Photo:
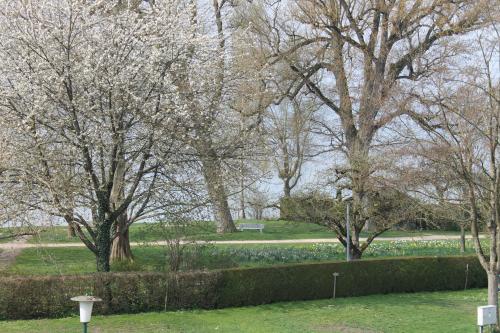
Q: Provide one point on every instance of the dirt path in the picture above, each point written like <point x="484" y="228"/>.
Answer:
<point x="8" y="254"/>
<point x="15" y="246"/>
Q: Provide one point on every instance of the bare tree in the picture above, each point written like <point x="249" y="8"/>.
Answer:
<point x="258" y="201"/>
<point x="440" y="189"/>
<point x="288" y="128"/>
<point x="357" y="57"/>
<point x="463" y="126"/>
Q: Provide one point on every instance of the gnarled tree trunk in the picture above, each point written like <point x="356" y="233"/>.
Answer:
<point x="120" y="250"/>
<point x="287" y="191"/>
<point x="71" y="231"/>
<point x="103" y="247"/>
<point x="359" y="170"/>
<point x="212" y="172"/>
<point x="121" y="244"/>
<point x="462" y="239"/>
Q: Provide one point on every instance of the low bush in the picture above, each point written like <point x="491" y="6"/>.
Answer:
<point x="49" y="296"/>
<point x="386" y="208"/>
<point x="311" y="208"/>
<point x="40" y="297"/>
<point x="365" y="277"/>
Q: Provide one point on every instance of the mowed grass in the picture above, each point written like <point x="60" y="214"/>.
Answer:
<point x="273" y="230"/>
<point x="72" y="260"/>
<point x="395" y="313"/>
<point x="50" y="261"/>
<point x="144" y="232"/>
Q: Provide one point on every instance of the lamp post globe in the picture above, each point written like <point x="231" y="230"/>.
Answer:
<point x="86" y="305"/>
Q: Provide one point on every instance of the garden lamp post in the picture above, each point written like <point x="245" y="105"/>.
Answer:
<point x="86" y="304"/>
<point x="335" y="284"/>
<point x="348" y="227"/>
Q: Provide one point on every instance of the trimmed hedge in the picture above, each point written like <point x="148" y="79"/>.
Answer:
<point x="49" y="296"/>
<point x="357" y="278"/>
<point x="43" y="297"/>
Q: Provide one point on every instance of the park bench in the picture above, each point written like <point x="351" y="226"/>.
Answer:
<point x="250" y="226"/>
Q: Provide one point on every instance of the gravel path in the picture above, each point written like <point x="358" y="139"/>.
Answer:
<point x="13" y="246"/>
<point x="9" y="252"/>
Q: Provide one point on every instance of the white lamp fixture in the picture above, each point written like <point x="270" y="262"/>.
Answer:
<point x="86" y="304"/>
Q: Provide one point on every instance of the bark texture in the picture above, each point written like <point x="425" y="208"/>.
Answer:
<point x="462" y="239"/>
<point x="493" y="290"/>
<point x="71" y="231"/>
<point x="103" y="247"/>
<point x="120" y="250"/>
<point x="212" y="171"/>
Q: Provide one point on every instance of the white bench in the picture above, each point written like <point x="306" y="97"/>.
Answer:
<point x="250" y="226"/>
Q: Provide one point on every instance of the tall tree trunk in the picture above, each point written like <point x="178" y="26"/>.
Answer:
<point x="355" y="250"/>
<point x="359" y="164"/>
<point x="242" y="201"/>
<point x="355" y="253"/>
<point x="71" y="231"/>
<point x="242" y="193"/>
<point x="243" y="215"/>
<point x="493" y="290"/>
<point x="71" y="227"/>
<point x="103" y="245"/>
<point x="212" y="172"/>
<point x="287" y="191"/>
<point x="120" y="250"/>
<point x="462" y="239"/>
<point x="121" y="244"/>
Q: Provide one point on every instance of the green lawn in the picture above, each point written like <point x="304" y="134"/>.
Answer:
<point x="43" y="261"/>
<point x="396" y="313"/>
<point x="274" y="230"/>
<point x="152" y="258"/>
<point x="58" y="234"/>
<point x="206" y="231"/>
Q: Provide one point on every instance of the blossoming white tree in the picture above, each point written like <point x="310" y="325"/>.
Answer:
<point x="86" y="90"/>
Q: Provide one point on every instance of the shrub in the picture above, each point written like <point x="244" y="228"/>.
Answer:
<point x="315" y="281"/>
<point x="42" y="297"/>
<point x="311" y="208"/>
<point x="126" y="266"/>
<point x="49" y="296"/>
<point x="386" y="208"/>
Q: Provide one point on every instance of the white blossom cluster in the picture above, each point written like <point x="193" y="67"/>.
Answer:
<point x="87" y="85"/>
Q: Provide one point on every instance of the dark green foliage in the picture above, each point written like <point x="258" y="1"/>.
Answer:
<point x="312" y="208"/>
<point x="357" y="278"/>
<point x="386" y="208"/>
<point x="38" y="297"/>
<point x="389" y="207"/>
<point x="45" y="297"/>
